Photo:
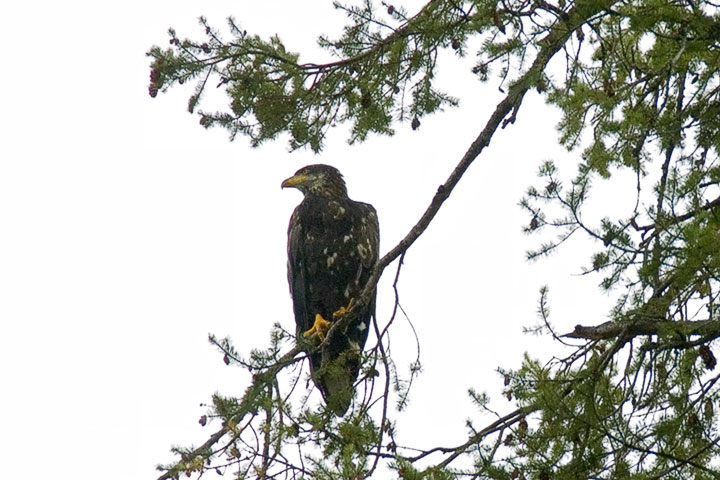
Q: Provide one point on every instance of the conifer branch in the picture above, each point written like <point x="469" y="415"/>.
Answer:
<point x="708" y="328"/>
<point x="404" y="30"/>
<point x="681" y="218"/>
<point x="247" y="405"/>
<point x="497" y="425"/>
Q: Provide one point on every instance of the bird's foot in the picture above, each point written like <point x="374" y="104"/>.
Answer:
<point x="321" y="326"/>
<point x="342" y="311"/>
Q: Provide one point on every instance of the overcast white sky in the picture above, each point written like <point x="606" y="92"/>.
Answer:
<point x="128" y="233"/>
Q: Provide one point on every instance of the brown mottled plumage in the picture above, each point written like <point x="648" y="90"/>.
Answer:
<point x="332" y="246"/>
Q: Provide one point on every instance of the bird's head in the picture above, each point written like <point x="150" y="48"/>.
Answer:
<point x="318" y="180"/>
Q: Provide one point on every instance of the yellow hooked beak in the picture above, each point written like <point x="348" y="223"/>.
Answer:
<point x="294" y="181"/>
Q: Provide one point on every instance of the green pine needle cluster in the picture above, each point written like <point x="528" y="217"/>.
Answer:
<point x="631" y="393"/>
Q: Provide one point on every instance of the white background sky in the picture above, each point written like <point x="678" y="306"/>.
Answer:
<point x="128" y="233"/>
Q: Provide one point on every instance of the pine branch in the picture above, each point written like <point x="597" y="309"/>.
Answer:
<point x="668" y="221"/>
<point x="260" y="381"/>
<point x="609" y="330"/>
<point x="499" y="424"/>
<point x="405" y="30"/>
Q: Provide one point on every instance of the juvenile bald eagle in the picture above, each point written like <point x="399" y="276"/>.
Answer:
<point x="332" y="247"/>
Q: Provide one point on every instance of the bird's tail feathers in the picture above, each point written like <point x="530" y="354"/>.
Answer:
<point x="336" y="381"/>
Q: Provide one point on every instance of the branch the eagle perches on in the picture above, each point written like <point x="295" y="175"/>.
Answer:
<point x="505" y="113"/>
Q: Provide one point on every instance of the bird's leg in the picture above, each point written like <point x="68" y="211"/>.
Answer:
<point x="344" y="310"/>
<point x="321" y="326"/>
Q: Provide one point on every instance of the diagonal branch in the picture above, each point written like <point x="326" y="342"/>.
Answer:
<point x="551" y="44"/>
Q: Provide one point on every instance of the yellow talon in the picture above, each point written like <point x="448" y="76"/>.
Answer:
<point x="344" y="310"/>
<point x="320" y="327"/>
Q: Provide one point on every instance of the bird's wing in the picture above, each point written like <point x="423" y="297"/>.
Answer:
<point x="369" y="240"/>
<point x="370" y="236"/>
<point x="297" y="271"/>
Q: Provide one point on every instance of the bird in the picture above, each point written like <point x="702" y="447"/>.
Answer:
<point x="332" y="248"/>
